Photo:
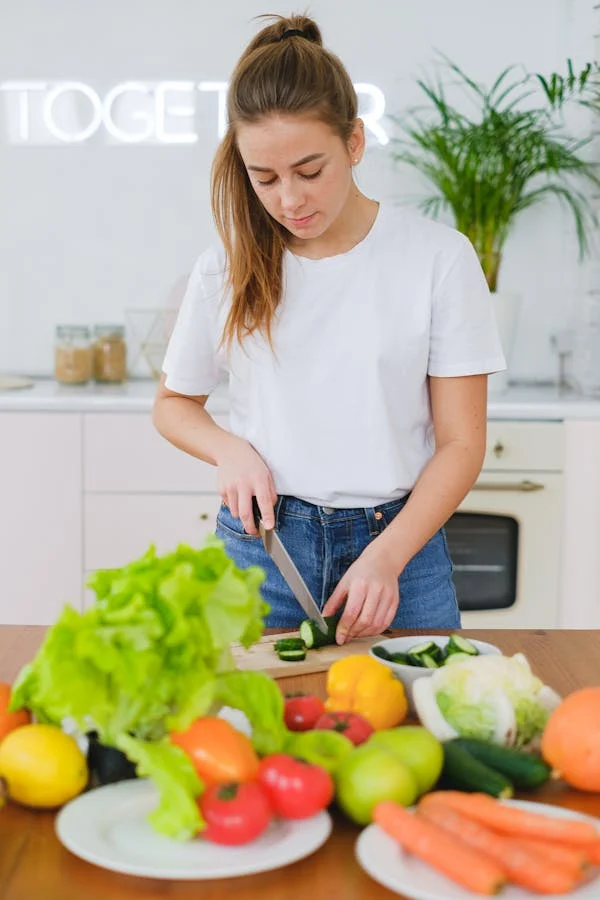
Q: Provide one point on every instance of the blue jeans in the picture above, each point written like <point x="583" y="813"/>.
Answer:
<point x="324" y="542"/>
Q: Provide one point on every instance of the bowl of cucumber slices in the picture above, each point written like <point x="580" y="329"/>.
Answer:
<point x="416" y="656"/>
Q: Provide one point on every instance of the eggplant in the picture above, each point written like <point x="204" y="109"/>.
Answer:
<point x="107" y="765"/>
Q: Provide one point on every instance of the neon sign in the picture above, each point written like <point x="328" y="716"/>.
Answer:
<point x="42" y="113"/>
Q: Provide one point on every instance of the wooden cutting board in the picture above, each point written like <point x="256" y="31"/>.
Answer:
<point x="262" y="657"/>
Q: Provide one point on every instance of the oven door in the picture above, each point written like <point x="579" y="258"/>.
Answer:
<point x="505" y="543"/>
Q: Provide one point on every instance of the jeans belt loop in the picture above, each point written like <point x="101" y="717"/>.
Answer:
<point x="373" y="519"/>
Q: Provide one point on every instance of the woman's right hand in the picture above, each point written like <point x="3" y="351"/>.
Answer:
<point x="243" y="475"/>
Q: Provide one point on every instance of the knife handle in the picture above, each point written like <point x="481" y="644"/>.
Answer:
<point x="256" y="511"/>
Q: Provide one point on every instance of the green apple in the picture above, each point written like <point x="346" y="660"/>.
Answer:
<point x="369" y="774"/>
<point x="326" y="748"/>
<point x="417" y="748"/>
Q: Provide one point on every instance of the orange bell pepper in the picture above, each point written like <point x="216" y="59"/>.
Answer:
<point x="219" y="752"/>
<point x="363" y="685"/>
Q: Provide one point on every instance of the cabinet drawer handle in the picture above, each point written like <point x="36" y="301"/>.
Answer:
<point x="525" y="486"/>
<point x="203" y="516"/>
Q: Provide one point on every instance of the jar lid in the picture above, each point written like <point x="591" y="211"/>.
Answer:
<point x="109" y="331"/>
<point x="73" y="331"/>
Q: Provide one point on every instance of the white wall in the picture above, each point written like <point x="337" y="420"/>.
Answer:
<point x="89" y="230"/>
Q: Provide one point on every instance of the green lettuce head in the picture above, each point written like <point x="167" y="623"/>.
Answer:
<point x="152" y="654"/>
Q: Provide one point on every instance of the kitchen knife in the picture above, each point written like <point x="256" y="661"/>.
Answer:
<point x="284" y="562"/>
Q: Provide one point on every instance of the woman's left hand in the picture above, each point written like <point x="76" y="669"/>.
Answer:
<point x="370" y="589"/>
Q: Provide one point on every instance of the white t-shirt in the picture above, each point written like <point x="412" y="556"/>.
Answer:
<point x="340" y="410"/>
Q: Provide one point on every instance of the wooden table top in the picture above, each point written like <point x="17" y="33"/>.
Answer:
<point x="34" y="864"/>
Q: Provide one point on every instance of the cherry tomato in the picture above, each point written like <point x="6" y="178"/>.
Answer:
<point x="351" y="725"/>
<point x="296" y="789"/>
<point x="234" y="813"/>
<point x="220" y="753"/>
<point x="301" y="711"/>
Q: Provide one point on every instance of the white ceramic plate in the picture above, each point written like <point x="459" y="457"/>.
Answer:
<point x="383" y="859"/>
<point x="107" y="826"/>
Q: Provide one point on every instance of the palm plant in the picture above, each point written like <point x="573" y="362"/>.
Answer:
<point x="489" y="168"/>
<point x="582" y="87"/>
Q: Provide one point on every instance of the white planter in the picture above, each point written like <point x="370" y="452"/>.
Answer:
<point x="506" y="310"/>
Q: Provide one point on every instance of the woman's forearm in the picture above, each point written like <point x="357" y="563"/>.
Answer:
<point x="442" y="485"/>
<point x="186" y="424"/>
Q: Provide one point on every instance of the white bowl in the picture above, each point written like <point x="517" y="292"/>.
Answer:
<point x="407" y="674"/>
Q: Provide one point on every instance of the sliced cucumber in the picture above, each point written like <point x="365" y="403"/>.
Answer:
<point x="428" y="661"/>
<point x="458" y="644"/>
<point x="455" y="658"/>
<point x="429" y="647"/>
<point x="525" y="769"/>
<point x="312" y="635"/>
<point x="464" y="772"/>
<point x="424" y="654"/>
<point x="400" y="658"/>
<point x="382" y="653"/>
<point x="289" y="644"/>
<point x="292" y="655"/>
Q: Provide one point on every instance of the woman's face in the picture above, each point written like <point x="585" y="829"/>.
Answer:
<point x="300" y="169"/>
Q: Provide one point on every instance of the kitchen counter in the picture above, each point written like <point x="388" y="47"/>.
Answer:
<point x="137" y="395"/>
<point x="519" y="402"/>
<point x="34" y="864"/>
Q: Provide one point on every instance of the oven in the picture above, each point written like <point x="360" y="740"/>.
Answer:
<point x="505" y="538"/>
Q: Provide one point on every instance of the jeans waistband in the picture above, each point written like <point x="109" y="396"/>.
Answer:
<point x="293" y="506"/>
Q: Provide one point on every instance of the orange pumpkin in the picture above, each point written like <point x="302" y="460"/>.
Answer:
<point x="571" y="739"/>
<point x="10" y="720"/>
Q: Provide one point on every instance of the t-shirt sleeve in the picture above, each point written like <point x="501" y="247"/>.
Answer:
<point x="194" y="363"/>
<point x="464" y="336"/>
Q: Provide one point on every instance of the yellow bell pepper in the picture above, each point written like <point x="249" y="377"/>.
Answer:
<point x="363" y="685"/>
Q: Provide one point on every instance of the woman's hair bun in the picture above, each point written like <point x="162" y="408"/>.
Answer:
<point x="279" y="29"/>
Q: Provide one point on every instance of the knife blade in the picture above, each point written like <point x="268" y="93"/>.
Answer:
<point x="284" y="562"/>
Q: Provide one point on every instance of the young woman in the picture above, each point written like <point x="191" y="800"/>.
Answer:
<point x="356" y="339"/>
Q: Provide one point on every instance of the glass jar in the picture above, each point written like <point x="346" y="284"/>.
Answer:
<point x="72" y="354"/>
<point x="110" y="353"/>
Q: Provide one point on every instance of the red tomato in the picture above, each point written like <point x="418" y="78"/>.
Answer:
<point x="234" y="813"/>
<point x="296" y="789"/>
<point x="301" y="711"/>
<point x="351" y="725"/>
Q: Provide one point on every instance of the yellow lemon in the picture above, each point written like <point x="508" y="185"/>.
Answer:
<point x="42" y="766"/>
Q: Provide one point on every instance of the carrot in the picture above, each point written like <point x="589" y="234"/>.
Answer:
<point x="593" y="852"/>
<point x="524" y="866"/>
<point x="439" y="849"/>
<point x="518" y="822"/>
<point x="571" y="856"/>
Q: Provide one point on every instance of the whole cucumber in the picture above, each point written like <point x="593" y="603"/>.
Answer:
<point x="525" y="769"/>
<point x="464" y="772"/>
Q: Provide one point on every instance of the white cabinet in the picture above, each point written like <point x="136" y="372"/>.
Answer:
<point x="124" y="453"/>
<point x="140" y="490"/>
<point x="120" y="527"/>
<point x="40" y="516"/>
<point x="85" y="491"/>
<point x="580" y="585"/>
